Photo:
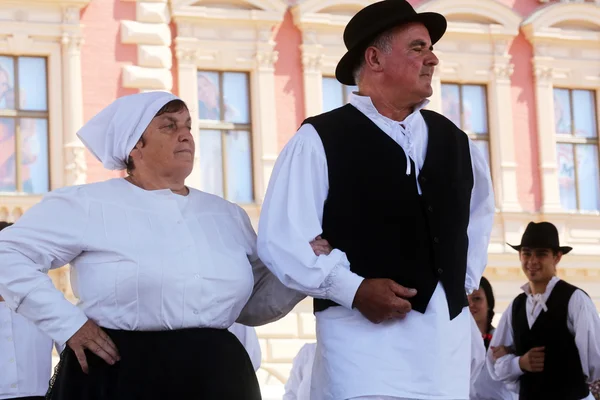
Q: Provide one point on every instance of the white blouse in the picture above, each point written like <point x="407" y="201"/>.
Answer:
<point x="297" y="386"/>
<point x="25" y="356"/>
<point x="140" y="260"/>
<point x="582" y="321"/>
<point x="398" y="365"/>
<point x="483" y="387"/>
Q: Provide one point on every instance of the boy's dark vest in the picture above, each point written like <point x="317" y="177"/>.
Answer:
<point x="375" y="214"/>
<point x="562" y="378"/>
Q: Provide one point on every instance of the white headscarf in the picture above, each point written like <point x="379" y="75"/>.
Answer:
<point x="114" y="131"/>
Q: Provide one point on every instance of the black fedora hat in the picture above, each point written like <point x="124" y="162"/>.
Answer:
<point x="541" y="235"/>
<point x="375" y="19"/>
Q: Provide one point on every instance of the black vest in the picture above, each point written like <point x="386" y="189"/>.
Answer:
<point x="562" y="378"/>
<point x="375" y="215"/>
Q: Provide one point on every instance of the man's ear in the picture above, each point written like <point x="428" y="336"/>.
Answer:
<point x="373" y="59"/>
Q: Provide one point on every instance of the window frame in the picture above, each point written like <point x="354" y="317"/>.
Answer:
<point x="16" y="114"/>
<point x="224" y="127"/>
<point x="575" y="141"/>
<point x="246" y="45"/>
<point x="344" y="88"/>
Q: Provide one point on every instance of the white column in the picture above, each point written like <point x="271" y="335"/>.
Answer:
<point x="502" y="145"/>
<point x="313" y="82"/>
<point x="74" y="150"/>
<point x="547" y="143"/>
<point x="266" y="147"/>
<point x="187" y="79"/>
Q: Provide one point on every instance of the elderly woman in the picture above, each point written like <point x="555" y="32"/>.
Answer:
<point x="160" y="270"/>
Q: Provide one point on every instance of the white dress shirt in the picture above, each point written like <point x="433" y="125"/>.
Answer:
<point x="424" y="356"/>
<point x="583" y="322"/>
<point x="483" y="387"/>
<point x="248" y="338"/>
<point x="140" y="260"/>
<point x="297" y="386"/>
<point x="25" y="356"/>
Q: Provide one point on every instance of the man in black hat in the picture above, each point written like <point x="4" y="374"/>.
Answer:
<point x="552" y="329"/>
<point x="406" y="202"/>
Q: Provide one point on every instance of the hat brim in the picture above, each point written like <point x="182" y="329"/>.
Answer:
<point x="562" y="249"/>
<point x="435" y="23"/>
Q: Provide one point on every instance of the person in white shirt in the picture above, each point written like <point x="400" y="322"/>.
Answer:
<point x="248" y="338"/>
<point x="551" y="331"/>
<point x="25" y="355"/>
<point x="160" y="270"/>
<point x="405" y="199"/>
<point x="297" y="386"/>
<point x="481" y="305"/>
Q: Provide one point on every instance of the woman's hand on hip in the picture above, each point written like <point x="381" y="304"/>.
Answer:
<point x="91" y="337"/>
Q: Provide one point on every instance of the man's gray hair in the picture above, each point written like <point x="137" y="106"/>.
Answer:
<point x="383" y="42"/>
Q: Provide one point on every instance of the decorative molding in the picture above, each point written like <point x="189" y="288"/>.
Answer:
<point x="155" y="56"/>
<point x="503" y="71"/>
<point x="12" y="207"/>
<point x="233" y="39"/>
<point x="565" y="39"/>
<point x="543" y="73"/>
<point x="71" y="42"/>
<point x="187" y="56"/>
<point x="157" y="13"/>
<point x="477" y="53"/>
<point x="312" y="62"/>
<point x="134" y="32"/>
<point x="18" y="43"/>
<point x="52" y="29"/>
<point x="152" y="35"/>
<point x="147" y="78"/>
<point x="70" y="15"/>
<point x="75" y="164"/>
<point x="266" y="59"/>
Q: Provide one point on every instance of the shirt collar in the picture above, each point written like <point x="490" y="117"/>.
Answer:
<point x="549" y="287"/>
<point x="365" y="105"/>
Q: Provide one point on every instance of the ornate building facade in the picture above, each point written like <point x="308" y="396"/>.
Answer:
<point x="521" y="77"/>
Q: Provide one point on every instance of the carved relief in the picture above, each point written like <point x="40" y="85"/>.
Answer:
<point x="70" y="15"/>
<point x="75" y="164"/>
<point x="312" y="62"/>
<point x="503" y="71"/>
<point x="267" y="58"/>
<point x="187" y="56"/>
<point x="71" y="41"/>
<point x="543" y="73"/>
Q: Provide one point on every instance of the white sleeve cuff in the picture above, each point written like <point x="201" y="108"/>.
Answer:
<point x="515" y="369"/>
<point x="343" y="283"/>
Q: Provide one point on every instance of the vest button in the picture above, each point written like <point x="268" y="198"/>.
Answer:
<point x="436" y="239"/>
<point x="430" y="209"/>
<point x="422" y="178"/>
<point x="440" y="271"/>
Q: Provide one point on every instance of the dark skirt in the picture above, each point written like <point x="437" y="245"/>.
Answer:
<point x="182" y="364"/>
